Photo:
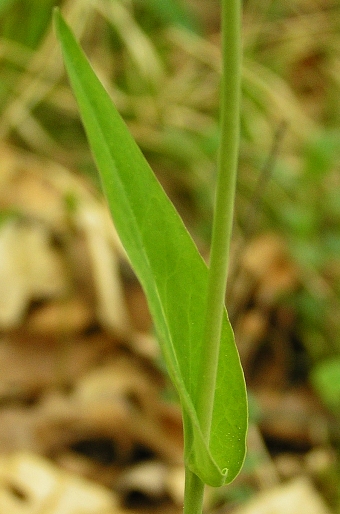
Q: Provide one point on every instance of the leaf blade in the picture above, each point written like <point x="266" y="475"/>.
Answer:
<point x="169" y="268"/>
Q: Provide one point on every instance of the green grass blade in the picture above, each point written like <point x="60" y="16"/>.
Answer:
<point x="174" y="12"/>
<point x="25" y="21"/>
<point x="170" y="269"/>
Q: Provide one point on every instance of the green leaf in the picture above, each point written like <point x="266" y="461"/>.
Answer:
<point x="175" y="12"/>
<point x="25" y="21"/>
<point x="170" y="269"/>
<point x="325" y="378"/>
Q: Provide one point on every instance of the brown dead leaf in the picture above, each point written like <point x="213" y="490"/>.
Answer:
<point x="31" y="364"/>
<point x="293" y="416"/>
<point x="268" y="266"/>
<point x="296" y="497"/>
<point x="60" y="317"/>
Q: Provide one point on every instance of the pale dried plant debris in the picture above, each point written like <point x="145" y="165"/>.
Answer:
<point x="30" y="484"/>
<point x="296" y="497"/>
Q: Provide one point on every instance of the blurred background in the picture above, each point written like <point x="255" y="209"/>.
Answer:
<point x="88" y="419"/>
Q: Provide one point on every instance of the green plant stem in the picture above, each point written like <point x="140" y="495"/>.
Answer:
<point x="221" y="236"/>
<point x="224" y="207"/>
<point x="193" y="493"/>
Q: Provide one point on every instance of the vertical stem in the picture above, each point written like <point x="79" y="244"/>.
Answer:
<point x="221" y="236"/>
<point x="193" y="493"/>
<point x="224" y="206"/>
